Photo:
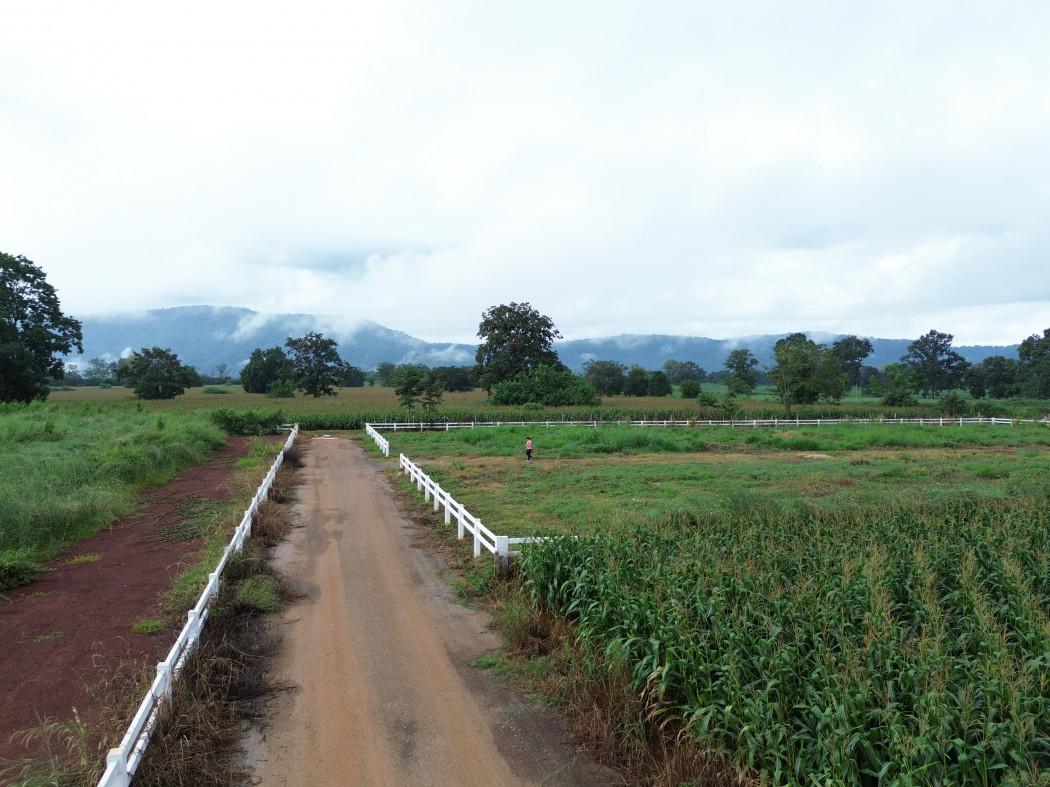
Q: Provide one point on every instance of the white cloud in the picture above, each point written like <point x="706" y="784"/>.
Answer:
<point x="704" y="168"/>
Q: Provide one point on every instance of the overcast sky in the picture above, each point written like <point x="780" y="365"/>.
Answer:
<point x="711" y="169"/>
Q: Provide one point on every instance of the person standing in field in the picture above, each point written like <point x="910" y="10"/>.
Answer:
<point x="528" y="448"/>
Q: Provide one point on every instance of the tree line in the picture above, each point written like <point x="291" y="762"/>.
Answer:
<point x="515" y="364"/>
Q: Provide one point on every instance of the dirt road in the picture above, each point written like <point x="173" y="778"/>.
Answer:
<point x="379" y="654"/>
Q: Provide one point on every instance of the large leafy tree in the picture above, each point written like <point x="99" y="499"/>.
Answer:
<point x="742" y="377"/>
<point x="316" y="366"/>
<point x="263" y="368"/>
<point x="1034" y="362"/>
<point x="934" y="359"/>
<point x="607" y="377"/>
<point x="156" y="373"/>
<point x="515" y="338"/>
<point x="851" y="352"/>
<point x="806" y="371"/>
<point x="34" y="333"/>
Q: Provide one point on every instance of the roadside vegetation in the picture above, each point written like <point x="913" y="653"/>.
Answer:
<point x="196" y="737"/>
<point x="65" y="474"/>
<point x="841" y="604"/>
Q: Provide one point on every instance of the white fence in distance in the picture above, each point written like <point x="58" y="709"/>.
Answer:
<point x="371" y="429"/>
<point x="123" y="761"/>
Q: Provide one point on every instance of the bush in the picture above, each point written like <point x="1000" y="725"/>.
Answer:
<point x="281" y="389"/>
<point x="247" y="422"/>
<point x="17" y="568"/>
<point x="690" y="389"/>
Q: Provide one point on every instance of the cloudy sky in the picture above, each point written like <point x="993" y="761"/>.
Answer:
<point x="713" y="169"/>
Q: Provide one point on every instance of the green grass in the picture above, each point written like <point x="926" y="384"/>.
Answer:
<point x="65" y="474"/>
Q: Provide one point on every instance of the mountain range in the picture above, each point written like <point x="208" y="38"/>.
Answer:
<point x="205" y="336"/>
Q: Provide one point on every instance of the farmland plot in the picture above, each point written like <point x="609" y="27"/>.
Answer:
<point x="852" y="612"/>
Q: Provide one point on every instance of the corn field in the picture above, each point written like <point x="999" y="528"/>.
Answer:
<point x="904" y="646"/>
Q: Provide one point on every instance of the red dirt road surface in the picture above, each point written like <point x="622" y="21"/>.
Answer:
<point x="379" y="654"/>
<point x="55" y="632"/>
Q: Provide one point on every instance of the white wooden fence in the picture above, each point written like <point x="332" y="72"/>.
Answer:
<point x="753" y="422"/>
<point x="123" y="761"/>
<point x="500" y="546"/>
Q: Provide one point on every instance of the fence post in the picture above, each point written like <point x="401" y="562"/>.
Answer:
<point x="116" y="769"/>
<point x="502" y="556"/>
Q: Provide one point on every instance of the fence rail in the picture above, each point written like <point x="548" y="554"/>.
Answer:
<point x="123" y="761"/>
<point x="465" y="521"/>
<point x="439" y="426"/>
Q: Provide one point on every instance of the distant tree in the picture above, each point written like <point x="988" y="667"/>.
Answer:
<point x="805" y="372"/>
<point x="897" y="384"/>
<point x="939" y="365"/>
<point x="156" y="373"/>
<point x="352" y="377"/>
<point x="263" y="368"/>
<point x="457" y="378"/>
<point x="637" y="382"/>
<point x="100" y="371"/>
<point x="607" y="377"/>
<point x="316" y="365"/>
<point x="689" y="389"/>
<point x="408" y="385"/>
<point x="515" y="338"/>
<point x="385" y="374"/>
<point x="551" y="386"/>
<point x="677" y="371"/>
<point x="851" y="352"/>
<point x="658" y="384"/>
<point x="742" y="378"/>
<point x="34" y="333"/>
<point x="1033" y="373"/>
<point x="221" y="368"/>
<point x="432" y="387"/>
<point x="998" y="375"/>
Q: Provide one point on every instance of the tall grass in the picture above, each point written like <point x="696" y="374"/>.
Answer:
<point x="65" y="474"/>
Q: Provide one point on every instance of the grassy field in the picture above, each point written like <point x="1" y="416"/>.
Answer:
<point x="64" y="475"/>
<point x="857" y="604"/>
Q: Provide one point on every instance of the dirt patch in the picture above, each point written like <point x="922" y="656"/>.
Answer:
<point x="74" y="623"/>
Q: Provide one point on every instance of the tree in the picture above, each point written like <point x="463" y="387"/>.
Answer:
<point x="741" y="367"/>
<point x="316" y="365"/>
<point x="678" y="371"/>
<point x="851" y="352"/>
<point x="408" y="385"/>
<point x="1034" y="362"/>
<point x="805" y="371"/>
<point x="551" y="386"/>
<point x="385" y="374"/>
<point x="352" y="377"/>
<point x="515" y="339"/>
<point x="34" y="333"/>
<point x="100" y="371"/>
<point x="897" y="384"/>
<point x="156" y="373"/>
<point x="637" y="382"/>
<point x="607" y="377"/>
<point x="998" y="376"/>
<point x="690" y="389"/>
<point x="939" y="365"/>
<point x="659" y="385"/>
<point x="221" y="368"/>
<point x="457" y="378"/>
<point x="263" y="368"/>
